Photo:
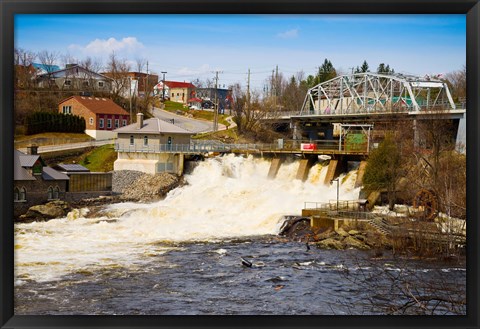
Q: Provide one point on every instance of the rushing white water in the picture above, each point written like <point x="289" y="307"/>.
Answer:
<point x="225" y="198"/>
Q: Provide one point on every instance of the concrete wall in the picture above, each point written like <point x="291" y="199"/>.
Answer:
<point x="150" y="163"/>
<point x="101" y="134"/>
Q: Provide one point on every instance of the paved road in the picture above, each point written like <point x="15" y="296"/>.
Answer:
<point x="193" y="125"/>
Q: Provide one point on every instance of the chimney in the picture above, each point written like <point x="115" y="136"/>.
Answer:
<point x="32" y="149"/>
<point x="139" y="120"/>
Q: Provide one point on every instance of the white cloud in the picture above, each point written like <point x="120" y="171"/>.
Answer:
<point x="205" y="68"/>
<point x="288" y="34"/>
<point x="125" y="46"/>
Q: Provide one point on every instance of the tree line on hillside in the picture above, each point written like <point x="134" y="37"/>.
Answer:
<point x="40" y="122"/>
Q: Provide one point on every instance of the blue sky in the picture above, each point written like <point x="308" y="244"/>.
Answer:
<point x="193" y="46"/>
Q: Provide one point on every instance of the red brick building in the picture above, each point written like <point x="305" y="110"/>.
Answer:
<point x="101" y="115"/>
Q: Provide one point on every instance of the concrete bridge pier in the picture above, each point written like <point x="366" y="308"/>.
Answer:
<point x="360" y="173"/>
<point x="335" y="168"/>
<point x="304" y="168"/>
<point x="274" y="167"/>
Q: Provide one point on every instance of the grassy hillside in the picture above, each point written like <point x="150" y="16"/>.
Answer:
<point x="179" y="108"/>
<point x="23" y="141"/>
<point x="99" y="159"/>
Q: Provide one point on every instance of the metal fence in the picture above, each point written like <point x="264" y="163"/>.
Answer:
<point x="71" y="146"/>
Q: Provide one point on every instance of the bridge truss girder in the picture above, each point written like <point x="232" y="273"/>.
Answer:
<point x="376" y="93"/>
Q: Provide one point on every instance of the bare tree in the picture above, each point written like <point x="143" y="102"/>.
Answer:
<point x="140" y="64"/>
<point x="92" y="64"/>
<point x="457" y="82"/>
<point x="48" y="60"/>
<point x="68" y="59"/>
<point x="118" y="69"/>
<point x="24" y="74"/>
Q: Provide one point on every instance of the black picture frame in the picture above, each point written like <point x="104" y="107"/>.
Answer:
<point x="471" y="8"/>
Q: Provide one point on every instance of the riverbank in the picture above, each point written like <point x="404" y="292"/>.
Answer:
<point x="128" y="186"/>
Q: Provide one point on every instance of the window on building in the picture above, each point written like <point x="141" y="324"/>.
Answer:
<point x="124" y="123"/>
<point x="56" y="192"/>
<point x="90" y="120"/>
<point x="67" y="109"/>
<point x="67" y="82"/>
<point x="145" y="140"/>
<point x="50" y="193"/>
<point x="101" y="84"/>
<point x="132" y="141"/>
<point x="101" y="123"/>
<point x="109" y="123"/>
<point x="85" y="83"/>
<point x="19" y="194"/>
<point x="117" y="123"/>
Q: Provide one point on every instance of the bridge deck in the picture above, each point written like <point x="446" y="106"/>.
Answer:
<point x="330" y="148"/>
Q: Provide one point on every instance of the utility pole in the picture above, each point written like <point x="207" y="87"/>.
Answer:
<point x="130" y="96"/>
<point x="146" y="83"/>
<point x="276" y="88"/>
<point x="248" y="89"/>
<point x="163" y="88"/>
<point x="273" y="85"/>
<point x="215" y="114"/>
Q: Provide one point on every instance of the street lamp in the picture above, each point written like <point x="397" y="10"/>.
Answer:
<point x="163" y="89"/>
<point x="338" y="188"/>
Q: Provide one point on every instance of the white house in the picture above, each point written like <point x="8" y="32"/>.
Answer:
<point x="151" y="146"/>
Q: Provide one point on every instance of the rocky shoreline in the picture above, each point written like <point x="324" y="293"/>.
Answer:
<point x="298" y="229"/>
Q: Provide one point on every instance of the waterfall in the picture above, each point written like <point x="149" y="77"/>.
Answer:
<point x="225" y="197"/>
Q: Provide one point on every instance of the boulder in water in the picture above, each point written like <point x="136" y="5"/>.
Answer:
<point x="50" y="210"/>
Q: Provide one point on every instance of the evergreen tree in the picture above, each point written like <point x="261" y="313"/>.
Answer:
<point x="384" y="69"/>
<point x="326" y="72"/>
<point x="383" y="169"/>
<point x="364" y="68"/>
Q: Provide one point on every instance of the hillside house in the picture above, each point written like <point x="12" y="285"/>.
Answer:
<point x="102" y="115"/>
<point x="180" y="92"/>
<point x="34" y="182"/>
<point x="76" y="78"/>
<point x="151" y="146"/>
<point x="223" y="97"/>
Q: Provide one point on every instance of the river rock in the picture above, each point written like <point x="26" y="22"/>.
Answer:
<point x="330" y="243"/>
<point x="340" y="231"/>
<point x="50" y="210"/>
<point x="353" y="232"/>
<point x="351" y="242"/>
<point x="324" y="235"/>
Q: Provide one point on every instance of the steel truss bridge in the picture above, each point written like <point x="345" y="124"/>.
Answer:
<point x="376" y="93"/>
<point x="371" y="97"/>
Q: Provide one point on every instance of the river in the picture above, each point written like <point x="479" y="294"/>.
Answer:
<point x="182" y="255"/>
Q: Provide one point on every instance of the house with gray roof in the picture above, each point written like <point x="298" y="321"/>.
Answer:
<point x="34" y="182"/>
<point x="151" y="146"/>
<point x="75" y="78"/>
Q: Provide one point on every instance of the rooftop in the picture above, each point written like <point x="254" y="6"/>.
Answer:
<point x="98" y="105"/>
<point x="153" y="126"/>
